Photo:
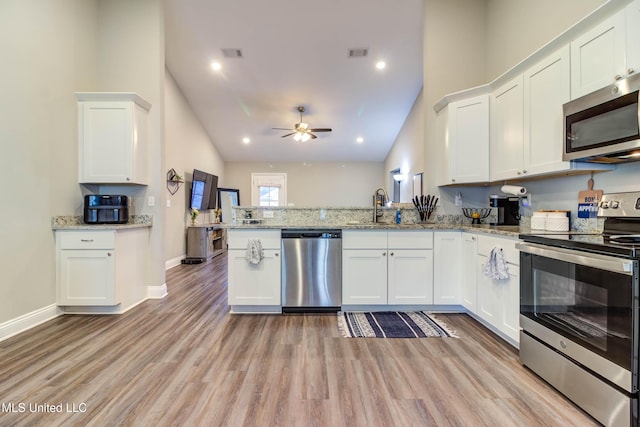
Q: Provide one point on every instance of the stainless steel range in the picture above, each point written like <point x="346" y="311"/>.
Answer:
<point x="579" y="311"/>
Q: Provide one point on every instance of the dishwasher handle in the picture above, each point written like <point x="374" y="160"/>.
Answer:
<point x="311" y="234"/>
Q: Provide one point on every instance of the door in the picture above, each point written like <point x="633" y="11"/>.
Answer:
<point x="254" y="284"/>
<point x="488" y="295"/>
<point x="469" y="140"/>
<point x="364" y="276"/>
<point x="510" y="298"/>
<point x="598" y="56"/>
<point x="469" y="251"/>
<point x="410" y="276"/>
<point x="86" y="277"/>
<point x="507" y="116"/>
<point x="546" y="88"/>
<point x="446" y="262"/>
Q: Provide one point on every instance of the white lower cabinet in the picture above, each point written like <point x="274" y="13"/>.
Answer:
<point x="364" y="276"/>
<point x="498" y="301"/>
<point x="254" y="284"/>
<point x="380" y="267"/>
<point x="446" y="261"/>
<point x="101" y="267"/>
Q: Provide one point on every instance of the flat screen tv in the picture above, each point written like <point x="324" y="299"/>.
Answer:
<point x="203" y="190"/>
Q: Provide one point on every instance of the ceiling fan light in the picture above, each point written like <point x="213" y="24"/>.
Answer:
<point x="297" y="136"/>
<point x="305" y="137"/>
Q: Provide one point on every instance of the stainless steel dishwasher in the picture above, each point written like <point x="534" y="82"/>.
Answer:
<point x="311" y="270"/>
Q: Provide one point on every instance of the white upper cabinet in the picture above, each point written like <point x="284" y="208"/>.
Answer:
<point x="113" y="133"/>
<point x="546" y="88"/>
<point x="468" y="129"/>
<point x="598" y="57"/>
<point x="633" y="37"/>
<point x="507" y="121"/>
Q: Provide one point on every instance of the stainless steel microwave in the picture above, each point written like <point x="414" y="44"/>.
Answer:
<point x="603" y="126"/>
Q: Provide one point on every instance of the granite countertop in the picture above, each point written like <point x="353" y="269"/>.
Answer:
<point x="504" y="230"/>
<point x="76" y="223"/>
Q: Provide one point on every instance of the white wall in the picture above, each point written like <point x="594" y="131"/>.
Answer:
<point x="188" y="147"/>
<point x="313" y="184"/>
<point x="48" y="52"/>
<point x="407" y="152"/>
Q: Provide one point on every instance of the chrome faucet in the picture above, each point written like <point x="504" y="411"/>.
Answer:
<point x="380" y="199"/>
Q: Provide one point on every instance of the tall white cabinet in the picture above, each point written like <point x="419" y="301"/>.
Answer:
<point x="507" y="123"/>
<point x="113" y="138"/>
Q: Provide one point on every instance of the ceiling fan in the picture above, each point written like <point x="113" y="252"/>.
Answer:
<point x="301" y="131"/>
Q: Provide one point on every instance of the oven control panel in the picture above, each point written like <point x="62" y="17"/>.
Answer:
<point x="620" y="205"/>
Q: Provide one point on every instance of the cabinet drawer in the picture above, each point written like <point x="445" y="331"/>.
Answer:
<point x="511" y="254"/>
<point x="357" y="239"/>
<point x="410" y="240"/>
<point x="86" y="239"/>
<point x="237" y="239"/>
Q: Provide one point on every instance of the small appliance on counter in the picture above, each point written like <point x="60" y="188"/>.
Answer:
<point x="507" y="209"/>
<point x="106" y="209"/>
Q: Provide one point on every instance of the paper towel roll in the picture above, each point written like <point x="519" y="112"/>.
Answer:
<point x="514" y="190"/>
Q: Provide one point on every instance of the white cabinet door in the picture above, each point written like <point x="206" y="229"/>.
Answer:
<point x="468" y="129"/>
<point x="598" y="56"/>
<point x="488" y="295"/>
<point x="446" y="266"/>
<point x="546" y="87"/>
<point x="468" y="253"/>
<point x="633" y="37"/>
<point x="364" y="276"/>
<point x="507" y="117"/>
<point x="86" y="277"/>
<point x="254" y="284"/>
<point x="510" y="297"/>
<point x="113" y="142"/>
<point x="410" y="276"/>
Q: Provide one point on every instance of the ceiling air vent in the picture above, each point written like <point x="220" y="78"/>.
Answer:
<point x="231" y="53"/>
<point x="359" y="52"/>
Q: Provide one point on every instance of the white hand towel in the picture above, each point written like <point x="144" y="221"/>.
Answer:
<point x="496" y="267"/>
<point x="254" y="253"/>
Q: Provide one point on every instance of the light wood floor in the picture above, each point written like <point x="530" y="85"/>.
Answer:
<point x="185" y="360"/>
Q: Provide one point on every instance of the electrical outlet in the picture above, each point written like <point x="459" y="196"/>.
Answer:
<point x="458" y="199"/>
<point x="168" y="203"/>
<point x="151" y="201"/>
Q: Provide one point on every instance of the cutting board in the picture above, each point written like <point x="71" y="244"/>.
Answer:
<point x="588" y="201"/>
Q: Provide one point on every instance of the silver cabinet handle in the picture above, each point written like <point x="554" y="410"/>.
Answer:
<point x="384" y="254"/>
<point x="631" y="71"/>
<point x="276" y="254"/>
<point x="108" y="253"/>
<point x="618" y="77"/>
<point x="453" y="180"/>
<point x="86" y="240"/>
<point x="524" y="171"/>
<point x="391" y="254"/>
<point x="473" y="238"/>
<point x="519" y="173"/>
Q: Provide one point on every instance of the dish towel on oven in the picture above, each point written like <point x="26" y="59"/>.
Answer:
<point x="496" y="267"/>
<point x="254" y="253"/>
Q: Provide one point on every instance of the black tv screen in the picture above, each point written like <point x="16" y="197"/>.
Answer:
<point x="204" y="190"/>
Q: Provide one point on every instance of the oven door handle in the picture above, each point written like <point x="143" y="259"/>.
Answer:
<point x="602" y="262"/>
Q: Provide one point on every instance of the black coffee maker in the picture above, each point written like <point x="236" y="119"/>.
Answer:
<point x="508" y="209"/>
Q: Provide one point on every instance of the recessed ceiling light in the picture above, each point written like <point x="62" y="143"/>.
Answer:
<point x="359" y="140"/>
<point x="246" y="140"/>
<point x="380" y="65"/>
<point x="216" y="66"/>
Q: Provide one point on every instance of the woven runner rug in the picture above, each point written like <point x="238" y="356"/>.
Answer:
<point x="391" y="324"/>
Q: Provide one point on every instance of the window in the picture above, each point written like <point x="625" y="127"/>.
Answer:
<point x="269" y="189"/>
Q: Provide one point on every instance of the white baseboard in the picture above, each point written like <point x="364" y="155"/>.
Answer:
<point x="157" y="292"/>
<point x="173" y="262"/>
<point x="28" y="321"/>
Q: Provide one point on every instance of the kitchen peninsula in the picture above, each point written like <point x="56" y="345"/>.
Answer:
<point x="435" y="265"/>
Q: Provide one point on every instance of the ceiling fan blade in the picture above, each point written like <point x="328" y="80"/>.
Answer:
<point x="320" y="130"/>
<point x="283" y="128"/>
<point x="312" y="135"/>
<point x="289" y="134"/>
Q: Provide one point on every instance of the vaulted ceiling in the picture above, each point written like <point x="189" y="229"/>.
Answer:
<point x="296" y="53"/>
